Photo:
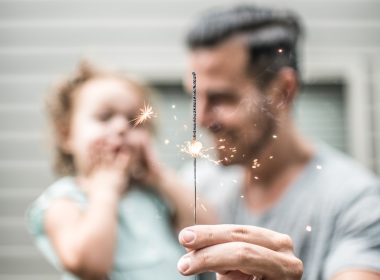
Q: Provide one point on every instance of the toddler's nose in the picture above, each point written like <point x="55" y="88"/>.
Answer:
<point x="120" y="125"/>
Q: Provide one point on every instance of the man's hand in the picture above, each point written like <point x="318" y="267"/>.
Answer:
<point x="357" y="275"/>
<point x="238" y="252"/>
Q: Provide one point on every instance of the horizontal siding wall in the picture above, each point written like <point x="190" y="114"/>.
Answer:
<point x="375" y="82"/>
<point x="41" y="40"/>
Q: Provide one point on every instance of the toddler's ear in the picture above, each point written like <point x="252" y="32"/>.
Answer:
<point x="64" y="140"/>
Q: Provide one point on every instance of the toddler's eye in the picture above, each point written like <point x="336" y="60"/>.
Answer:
<point x="104" y="116"/>
<point x="131" y="118"/>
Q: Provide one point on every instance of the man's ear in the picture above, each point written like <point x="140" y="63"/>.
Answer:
<point x="283" y="89"/>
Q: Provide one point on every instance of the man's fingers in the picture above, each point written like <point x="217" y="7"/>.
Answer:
<point x="237" y="275"/>
<point x="200" y="236"/>
<point x="246" y="258"/>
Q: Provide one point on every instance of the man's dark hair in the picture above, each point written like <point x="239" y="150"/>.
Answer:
<point x="271" y="37"/>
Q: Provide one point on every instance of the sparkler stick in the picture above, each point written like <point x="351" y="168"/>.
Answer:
<point x="194" y="144"/>
<point x="194" y="141"/>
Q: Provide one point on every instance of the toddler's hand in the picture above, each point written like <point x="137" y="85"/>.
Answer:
<point x="108" y="167"/>
<point x="145" y="167"/>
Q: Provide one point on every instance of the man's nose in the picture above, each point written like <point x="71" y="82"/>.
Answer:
<point x="204" y="115"/>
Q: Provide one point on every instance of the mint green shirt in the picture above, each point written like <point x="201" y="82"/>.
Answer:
<point x="146" y="245"/>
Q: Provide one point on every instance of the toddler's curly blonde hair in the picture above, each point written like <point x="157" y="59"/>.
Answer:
<point x="60" y="107"/>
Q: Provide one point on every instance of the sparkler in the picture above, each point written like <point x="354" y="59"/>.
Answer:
<point x="196" y="149"/>
<point x="196" y="146"/>
<point x="146" y="113"/>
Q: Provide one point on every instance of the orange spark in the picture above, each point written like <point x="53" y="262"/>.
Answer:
<point x="195" y="149"/>
<point x="146" y="113"/>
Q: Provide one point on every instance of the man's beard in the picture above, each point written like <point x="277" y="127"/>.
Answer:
<point x="248" y="150"/>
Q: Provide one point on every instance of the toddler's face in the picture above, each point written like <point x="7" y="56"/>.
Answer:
<point x="103" y="112"/>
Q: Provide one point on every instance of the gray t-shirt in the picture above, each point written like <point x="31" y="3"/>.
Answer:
<point x="331" y="211"/>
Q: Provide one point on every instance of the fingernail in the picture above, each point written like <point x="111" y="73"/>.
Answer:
<point x="183" y="264"/>
<point x="187" y="236"/>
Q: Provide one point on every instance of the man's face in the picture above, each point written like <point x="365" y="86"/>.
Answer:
<point x="229" y="105"/>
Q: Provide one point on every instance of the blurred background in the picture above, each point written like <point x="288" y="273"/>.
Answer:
<point x="41" y="40"/>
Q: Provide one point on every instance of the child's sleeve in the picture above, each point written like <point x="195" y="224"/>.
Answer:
<point x="64" y="188"/>
<point x="35" y="214"/>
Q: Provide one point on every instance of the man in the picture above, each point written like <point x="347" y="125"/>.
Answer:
<point x="247" y="80"/>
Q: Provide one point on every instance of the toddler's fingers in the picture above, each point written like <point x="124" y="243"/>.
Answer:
<point x="123" y="159"/>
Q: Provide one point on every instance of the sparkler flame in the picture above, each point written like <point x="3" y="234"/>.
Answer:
<point x="195" y="149"/>
<point x="146" y="113"/>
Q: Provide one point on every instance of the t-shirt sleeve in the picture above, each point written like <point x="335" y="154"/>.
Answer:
<point x="356" y="244"/>
<point x="34" y="216"/>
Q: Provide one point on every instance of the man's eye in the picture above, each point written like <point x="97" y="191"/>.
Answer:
<point x="221" y="99"/>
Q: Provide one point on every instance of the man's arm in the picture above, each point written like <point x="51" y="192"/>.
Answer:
<point x="181" y="198"/>
<point x="357" y="275"/>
